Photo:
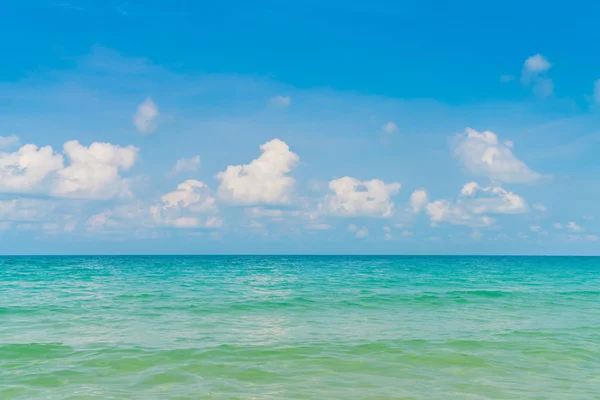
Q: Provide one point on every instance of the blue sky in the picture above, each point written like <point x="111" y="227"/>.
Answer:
<point x="307" y="127"/>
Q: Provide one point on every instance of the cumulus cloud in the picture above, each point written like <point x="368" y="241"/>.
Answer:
<point x="361" y="198"/>
<point x="185" y="206"/>
<point x="94" y="171"/>
<point x="264" y="180"/>
<point x="534" y="75"/>
<point x="390" y="127"/>
<point x="482" y="154"/>
<point x="280" y="101"/>
<point x="145" y="117"/>
<point x="418" y="200"/>
<point x="187" y="165"/>
<point x="474" y="205"/>
<point x="7" y="142"/>
<point x="27" y="168"/>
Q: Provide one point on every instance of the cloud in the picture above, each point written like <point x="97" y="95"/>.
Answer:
<point x="187" y="165"/>
<point x="26" y="169"/>
<point x="390" y="127"/>
<point x="280" y="101"/>
<point x="507" y="78"/>
<point x="540" y="207"/>
<point x="145" y="117"/>
<point x="262" y="181"/>
<point x="533" y="74"/>
<point x="535" y="228"/>
<point x="183" y="207"/>
<point x="94" y="171"/>
<point x="7" y="142"/>
<point x="418" y="200"/>
<point x="362" y="233"/>
<point x="474" y="204"/>
<point x="536" y="64"/>
<point x="573" y="227"/>
<point x="494" y="200"/>
<point x="482" y="154"/>
<point x="557" y="226"/>
<point x="361" y="198"/>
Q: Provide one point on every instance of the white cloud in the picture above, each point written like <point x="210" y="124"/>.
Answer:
<point x="7" y="142"/>
<point x="145" y="117"/>
<point x="473" y="205"/>
<point x="493" y="200"/>
<point x="187" y="165"/>
<point x="362" y="233"/>
<point x="361" y="198"/>
<point x="281" y="101"/>
<point x="262" y="181"/>
<point x="183" y="207"/>
<point x="535" y="228"/>
<point x="540" y="207"/>
<point x="537" y="64"/>
<point x="418" y="200"/>
<point x="352" y="228"/>
<point x="557" y="226"/>
<point x="444" y="211"/>
<point x="534" y="70"/>
<point x="94" y="171"/>
<point x="26" y="169"/>
<point x="506" y="78"/>
<point x="482" y="154"/>
<point x="390" y="127"/>
<point x="592" y="238"/>
<point x="573" y="227"/>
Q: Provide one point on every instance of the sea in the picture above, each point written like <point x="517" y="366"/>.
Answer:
<point x="299" y="327"/>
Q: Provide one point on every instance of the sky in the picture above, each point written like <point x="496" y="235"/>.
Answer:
<point x="329" y="127"/>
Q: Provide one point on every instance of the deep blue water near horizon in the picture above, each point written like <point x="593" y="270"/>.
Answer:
<point x="299" y="327"/>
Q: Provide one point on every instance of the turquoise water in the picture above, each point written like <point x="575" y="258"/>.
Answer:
<point x="299" y="328"/>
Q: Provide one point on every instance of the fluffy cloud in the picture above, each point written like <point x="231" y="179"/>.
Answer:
<point x="482" y="154"/>
<point x="187" y="165"/>
<point x="474" y="204"/>
<point x="145" y="117"/>
<point x="182" y="207"/>
<point x="281" y="101"/>
<point x="361" y="198"/>
<point x="390" y="127"/>
<point x="534" y="70"/>
<point x="25" y="169"/>
<point x="494" y="200"/>
<point x="262" y="181"/>
<point x="94" y="171"/>
<point x="418" y="200"/>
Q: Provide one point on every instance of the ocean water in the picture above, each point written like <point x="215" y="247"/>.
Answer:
<point x="299" y="327"/>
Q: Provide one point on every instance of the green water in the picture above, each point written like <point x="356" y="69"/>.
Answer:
<point x="299" y="328"/>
